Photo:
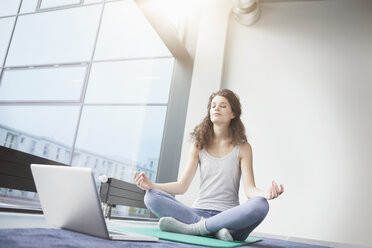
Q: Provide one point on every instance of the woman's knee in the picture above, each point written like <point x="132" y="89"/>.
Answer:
<point x="155" y="198"/>
<point x="151" y="198"/>
<point x="261" y="205"/>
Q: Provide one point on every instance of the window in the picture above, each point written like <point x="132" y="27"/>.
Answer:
<point x="128" y="135"/>
<point x="123" y="19"/>
<point x="43" y="84"/>
<point x="75" y="158"/>
<point x="53" y="125"/>
<point x="46" y="150"/>
<point x="11" y="140"/>
<point x="57" y="3"/>
<point x="6" y="27"/>
<point x="87" y="83"/>
<point x="87" y="160"/>
<point x="63" y="36"/>
<point x="138" y="81"/>
<point x="32" y="147"/>
<point x="28" y="6"/>
<point x="58" y="153"/>
<point x="9" y="7"/>
<point x="67" y="157"/>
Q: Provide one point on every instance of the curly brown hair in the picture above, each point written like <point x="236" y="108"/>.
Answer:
<point x="203" y="133"/>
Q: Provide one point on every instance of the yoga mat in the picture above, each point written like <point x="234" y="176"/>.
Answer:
<point x="184" y="238"/>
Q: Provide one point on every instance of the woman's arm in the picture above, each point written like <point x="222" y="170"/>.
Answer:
<point x="173" y="188"/>
<point x="250" y="189"/>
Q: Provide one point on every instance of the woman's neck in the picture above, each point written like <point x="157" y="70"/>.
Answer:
<point x="221" y="133"/>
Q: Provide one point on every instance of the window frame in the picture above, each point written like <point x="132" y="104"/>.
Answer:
<point x="173" y="132"/>
<point x="171" y="147"/>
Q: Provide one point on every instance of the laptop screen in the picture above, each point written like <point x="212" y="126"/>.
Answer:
<point x="69" y="198"/>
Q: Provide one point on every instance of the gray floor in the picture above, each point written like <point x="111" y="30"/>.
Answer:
<point x="15" y="227"/>
<point x="57" y="238"/>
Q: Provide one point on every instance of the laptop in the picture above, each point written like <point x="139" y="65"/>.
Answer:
<point x="69" y="200"/>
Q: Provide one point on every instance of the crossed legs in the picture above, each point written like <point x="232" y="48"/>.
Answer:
<point x="240" y="220"/>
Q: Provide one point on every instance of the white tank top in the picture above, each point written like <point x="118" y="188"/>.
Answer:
<point x="219" y="181"/>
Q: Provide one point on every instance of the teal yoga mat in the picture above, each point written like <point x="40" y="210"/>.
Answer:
<point x="188" y="239"/>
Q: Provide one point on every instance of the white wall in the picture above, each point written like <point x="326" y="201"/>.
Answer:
<point x="304" y="75"/>
<point x="207" y="75"/>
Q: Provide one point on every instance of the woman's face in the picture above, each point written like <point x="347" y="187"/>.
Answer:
<point x="221" y="111"/>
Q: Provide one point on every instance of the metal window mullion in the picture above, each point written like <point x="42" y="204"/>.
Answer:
<point x="10" y="40"/>
<point x="166" y="123"/>
<point x="74" y="103"/>
<point x="83" y="63"/>
<point x="38" y="9"/>
<point x="3" y="17"/>
<point x="82" y="98"/>
<point x="39" y="103"/>
<point x="134" y="59"/>
<point x="47" y="66"/>
<point x="126" y="104"/>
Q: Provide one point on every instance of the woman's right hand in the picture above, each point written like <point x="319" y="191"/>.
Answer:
<point x="142" y="181"/>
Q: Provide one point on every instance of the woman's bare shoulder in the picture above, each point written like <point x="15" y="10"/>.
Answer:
<point x="245" y="150"/>
<point x="245" y="146"/>
<point x="194" y="150"/>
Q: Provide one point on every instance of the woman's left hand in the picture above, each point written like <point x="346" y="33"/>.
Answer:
<point x="274" y="191"/>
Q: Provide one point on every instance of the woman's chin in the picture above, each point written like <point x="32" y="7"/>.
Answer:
<point x="218" y="121"/>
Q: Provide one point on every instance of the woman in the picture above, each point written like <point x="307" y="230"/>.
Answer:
<point x="221" y="150"/>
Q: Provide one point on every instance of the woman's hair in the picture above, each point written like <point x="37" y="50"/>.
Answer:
<point x="203" y="133"/>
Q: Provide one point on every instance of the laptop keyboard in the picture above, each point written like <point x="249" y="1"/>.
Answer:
<point x="114" y="232"/>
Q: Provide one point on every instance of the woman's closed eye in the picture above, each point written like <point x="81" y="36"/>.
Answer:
<point x="223" y="105"/>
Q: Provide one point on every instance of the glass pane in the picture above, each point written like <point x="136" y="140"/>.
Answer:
<point x="125" y="33"/>
<point x="28" y="6"/>
<point x="92" y="1"/>
<point x="57" y="3"/>
<point x="62" y="36"/>
<point x="45" y="131"/>
<point x="136" y="81"/>
<point x="12" y="198"/>
<point x="44" y="84"/>
<point x="6" y="27"/>
<point x="9" y="7"/>
<point x="117" y="140"/>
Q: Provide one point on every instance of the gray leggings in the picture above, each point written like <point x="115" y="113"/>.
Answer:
<point x="239" y="220"/>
